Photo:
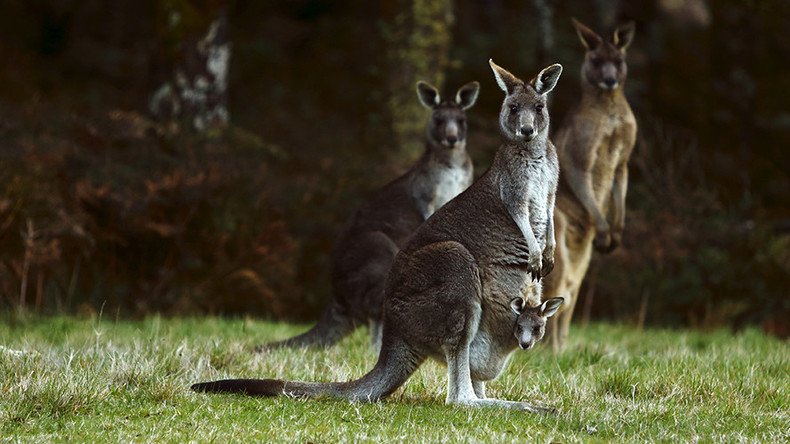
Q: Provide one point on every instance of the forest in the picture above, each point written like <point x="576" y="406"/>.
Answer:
<point x="129" y="187"/>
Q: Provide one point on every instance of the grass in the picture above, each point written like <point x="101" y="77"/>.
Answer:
<point x="82" y="380"/>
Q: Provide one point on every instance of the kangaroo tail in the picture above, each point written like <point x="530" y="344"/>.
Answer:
<point x="333" y="326"/>
<point x="395" y="365"/>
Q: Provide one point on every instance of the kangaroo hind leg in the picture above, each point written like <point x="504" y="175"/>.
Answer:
<point x="460" y="388"/>
<point x="479" y="388"/>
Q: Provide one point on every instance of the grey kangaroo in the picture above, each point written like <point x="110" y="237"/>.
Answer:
<point x="594" y="144"/>
<point x="367" y="245"/>
<point x="453" y="292"/>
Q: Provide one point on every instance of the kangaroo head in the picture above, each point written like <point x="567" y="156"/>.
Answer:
<point x="447" y="126"/>
<point x="524" y="115"/>
<point x="531" y="323"/>
<point x="604" y="64"/>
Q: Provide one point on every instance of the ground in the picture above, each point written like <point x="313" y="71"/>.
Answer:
<point x="96" y="380"/>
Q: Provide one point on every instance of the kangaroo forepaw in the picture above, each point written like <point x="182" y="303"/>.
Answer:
<point x="535" y="274"/>
<point x="546" y="266"/>
<point x="613" y="241"/>
<point x="603" y="241"/>
<point x="617" y="240"/>
<point x="535" y="267"/>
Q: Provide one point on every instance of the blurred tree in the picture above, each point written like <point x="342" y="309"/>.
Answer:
<point x="545" y="43"/>
<point x="607" y="12"/>
<point x="196" y="46"/>
<point x="733" y="63"/>
<point x="418" y="35"/>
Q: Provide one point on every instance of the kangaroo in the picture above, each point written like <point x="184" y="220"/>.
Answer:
<point x="529" y="328"/>
<point x="594" y="144"/>
<point x="367" y="245"/>
<point x="453" y="292"/>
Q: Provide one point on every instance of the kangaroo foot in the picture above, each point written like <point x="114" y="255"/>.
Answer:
<point x="513" y="405"/>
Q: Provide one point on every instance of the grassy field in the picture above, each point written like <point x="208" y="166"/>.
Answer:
<point x="66" y="379"/>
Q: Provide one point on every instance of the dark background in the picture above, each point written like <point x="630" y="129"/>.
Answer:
<point x="105" y="205"/>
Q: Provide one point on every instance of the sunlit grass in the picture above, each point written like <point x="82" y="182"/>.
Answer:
<point x="66" y="379"/>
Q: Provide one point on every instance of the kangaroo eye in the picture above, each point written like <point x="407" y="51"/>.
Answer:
<point x="597" y="62"/>
<point x="437" y="121"/>
<point x="513" y="109"/>
<point x="462" y="121"/>
<point x="539" y="107"/>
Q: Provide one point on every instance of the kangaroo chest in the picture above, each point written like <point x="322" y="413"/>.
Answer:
<point x="533" y="189"/>
<point x="611" y="150"/>
<point x="612" y="128"/>
<point x="451" y="181"/>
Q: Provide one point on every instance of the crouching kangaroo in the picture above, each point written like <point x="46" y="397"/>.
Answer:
<point x="453" y="290"/>
<point x="594" y="144"/>
<point x="364" y="252"/>
<point x="529" y="328"/>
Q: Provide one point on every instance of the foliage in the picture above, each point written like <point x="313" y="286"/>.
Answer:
<point x="687" y="257"/>
<point x="417" y="38"/>
<point x="98" y="380"/>
<point x="111" y="210"/>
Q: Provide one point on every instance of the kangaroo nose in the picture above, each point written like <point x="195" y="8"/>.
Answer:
<point x="528" y="131"/>
<point x="452" y="139"/>
<point x="610" y="82"/>
<point x="525" y="345"/>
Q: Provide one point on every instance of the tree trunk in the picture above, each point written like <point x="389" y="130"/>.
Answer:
<point x="545" y="43"/>
<point x="417" y="34"/>
<point x="608" y="12"/>
<point x="197" y="48"/>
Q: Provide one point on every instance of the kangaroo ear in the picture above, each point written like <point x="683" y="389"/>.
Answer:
<point x="467" y="95"/>
<point x="623" y="36"/>
<point x="589" y="38"/>
<point x="429" y="96"/>
<point x="547" y="79"/>
<point x="517" y="305"/>
<point x="548" y="308"/>
<point x="506" y="81"/>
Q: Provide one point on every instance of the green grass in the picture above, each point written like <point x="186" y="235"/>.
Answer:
<point x="66" y="379"/>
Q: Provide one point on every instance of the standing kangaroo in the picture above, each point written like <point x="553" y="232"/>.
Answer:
<point x="453" y="291"/>
<point x="594" y="144"/>
<point x="364" y="252"/>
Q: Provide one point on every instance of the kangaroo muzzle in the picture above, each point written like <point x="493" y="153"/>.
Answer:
<point x="525" y="339"/>
<point x="451" y="134"/>
<point x="609" y="81"/>
<point x="526" y="126"/>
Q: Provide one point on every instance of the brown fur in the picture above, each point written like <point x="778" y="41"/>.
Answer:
<point x="594" y="144"/>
